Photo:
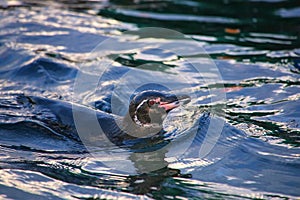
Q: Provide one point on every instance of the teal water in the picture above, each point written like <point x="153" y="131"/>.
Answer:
<point x="255" y="46"/>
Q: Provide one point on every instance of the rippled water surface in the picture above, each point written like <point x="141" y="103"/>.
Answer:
<point x="255" y="45"/>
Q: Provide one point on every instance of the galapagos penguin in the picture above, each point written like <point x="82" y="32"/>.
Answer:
<point x="146" y="113"/>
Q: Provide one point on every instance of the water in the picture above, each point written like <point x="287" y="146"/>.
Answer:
<point x="255" y="46"/>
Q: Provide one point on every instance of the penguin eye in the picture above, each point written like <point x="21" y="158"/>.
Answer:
<point x="151" y="102"/>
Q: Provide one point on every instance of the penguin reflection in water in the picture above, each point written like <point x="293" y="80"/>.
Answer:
<point x="139" y="130"/>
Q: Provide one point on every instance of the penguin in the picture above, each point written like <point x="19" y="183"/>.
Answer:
<point x="146" y="112"/>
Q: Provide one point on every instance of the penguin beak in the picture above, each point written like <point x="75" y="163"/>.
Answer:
<point x="171" y="102"/>
<point x="169" y="106"/>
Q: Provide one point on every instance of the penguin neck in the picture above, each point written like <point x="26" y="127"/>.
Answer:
<point x="137" y="129"/>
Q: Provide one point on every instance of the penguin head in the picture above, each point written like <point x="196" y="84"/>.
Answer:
<point x="152" y="107"/>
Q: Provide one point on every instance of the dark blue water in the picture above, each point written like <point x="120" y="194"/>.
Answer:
<point x="253" y="106"/>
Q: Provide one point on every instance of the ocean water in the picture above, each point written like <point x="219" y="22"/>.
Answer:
<point x="238" y="137"/>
